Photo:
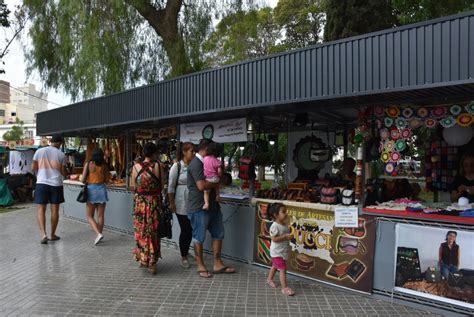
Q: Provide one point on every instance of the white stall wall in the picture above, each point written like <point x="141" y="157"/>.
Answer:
<point x="428" y="239"/>
<point x="293" y="139"/>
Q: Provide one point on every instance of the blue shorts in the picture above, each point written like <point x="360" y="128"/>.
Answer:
<point x="204" y="220"/>
<point x="46" y="194"/>
<point x="97" y="194"/>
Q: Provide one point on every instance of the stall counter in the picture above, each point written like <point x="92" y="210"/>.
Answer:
<point x="238" y="217"/>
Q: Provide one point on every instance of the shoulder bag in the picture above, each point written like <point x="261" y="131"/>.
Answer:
<point x="82" y="197"/>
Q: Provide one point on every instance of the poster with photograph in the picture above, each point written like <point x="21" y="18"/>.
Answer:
<point x="340" y="256"/>
<point x="436" y="263"/>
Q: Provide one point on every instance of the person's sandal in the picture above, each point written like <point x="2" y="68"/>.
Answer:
<point x="271" y="283"/>
<point x="287" y="291"/>
<point x="153" y="269"/>
<point x="185" y="264"/>
<point x="44" y="240"/>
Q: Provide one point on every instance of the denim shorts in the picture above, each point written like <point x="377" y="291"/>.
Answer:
<point x="97" y="194"/>
<point x="46" y="194"/>
<point x="203" y="220"/>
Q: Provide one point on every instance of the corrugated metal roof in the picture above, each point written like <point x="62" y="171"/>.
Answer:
<point x="437" y="53"/>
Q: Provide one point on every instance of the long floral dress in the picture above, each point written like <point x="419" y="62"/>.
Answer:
<point x="147" y="206"/>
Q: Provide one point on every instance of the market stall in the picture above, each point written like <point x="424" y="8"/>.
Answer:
<point x="412" y="202"/>
<point x="332" y="101"/>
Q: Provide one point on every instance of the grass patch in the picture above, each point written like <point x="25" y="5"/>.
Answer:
<point x="8" y="209"/>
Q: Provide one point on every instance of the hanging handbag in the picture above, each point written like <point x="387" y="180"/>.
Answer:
<point x="329" y="195"/>
<point x="82" y="197"/>
<point x="247" y="168"/>
<point x="348" y="197"/>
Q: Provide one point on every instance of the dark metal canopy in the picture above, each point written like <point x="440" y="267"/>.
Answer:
<point x="422" y="63"/>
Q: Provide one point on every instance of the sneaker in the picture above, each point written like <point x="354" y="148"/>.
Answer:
<point x="185" y="263"/>
<point x="98" y="239"/>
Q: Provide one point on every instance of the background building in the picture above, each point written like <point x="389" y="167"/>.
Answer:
<point x="26" y="101"/>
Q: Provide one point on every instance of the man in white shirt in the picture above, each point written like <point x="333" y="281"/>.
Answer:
<point x="49" y="165"/>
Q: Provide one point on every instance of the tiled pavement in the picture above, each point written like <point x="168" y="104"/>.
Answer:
<point x="71" y="276"/>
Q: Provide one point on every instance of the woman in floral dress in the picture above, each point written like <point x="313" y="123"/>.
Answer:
<point x="147" y="181"/>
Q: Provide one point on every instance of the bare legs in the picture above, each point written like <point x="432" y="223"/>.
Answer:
<point x="42" y="219"/>
<point x="54" y="219"/>
<point x="41" y="216"/>
<point x="98" y="225"/>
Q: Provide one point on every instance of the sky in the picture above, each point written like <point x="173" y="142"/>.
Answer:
<point x="15" y="64"/>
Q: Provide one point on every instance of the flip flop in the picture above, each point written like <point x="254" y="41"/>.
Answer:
<point x="271" y="283"/>
<point x="56" y="238"/>
<point x="208" y="274"/>
<point x="44" y="240"/>
<point x="224" y="270"/>
<point x="287" y="291"/>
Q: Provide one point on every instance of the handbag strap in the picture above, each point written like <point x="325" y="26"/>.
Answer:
<point x="87" y="173"/>
<point x="177" y="177"/>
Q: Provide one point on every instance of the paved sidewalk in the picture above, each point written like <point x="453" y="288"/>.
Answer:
<point x="72" y="276"/>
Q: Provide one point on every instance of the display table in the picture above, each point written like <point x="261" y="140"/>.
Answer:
<point x="403" y="214"/>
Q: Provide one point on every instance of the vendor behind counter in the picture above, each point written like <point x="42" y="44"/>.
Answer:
<point x="463" y="184"/>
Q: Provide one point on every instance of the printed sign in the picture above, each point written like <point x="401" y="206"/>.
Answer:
<point x="223" y="131"/>
<point x="341" y="256"/>
<point x="436" y="263"/>
<point x="346" y="217"/>
<point x="20" y="162"/>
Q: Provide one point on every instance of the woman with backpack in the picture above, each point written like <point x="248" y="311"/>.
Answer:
<point x="147" y="180"/>
<point x="178" y="196"/>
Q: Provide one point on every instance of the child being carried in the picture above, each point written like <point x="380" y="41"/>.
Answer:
<point x="212" y="171"/>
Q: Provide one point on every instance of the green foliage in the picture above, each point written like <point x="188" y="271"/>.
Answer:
<point x="86" y="48"/>
<point x="411" y="11"/>
<point x="16" y="133"/>
<point x="242" y="35"/>
<point x="301" y="21"/>
<point x="353" y="17"/>
<point x="4" y="13"/>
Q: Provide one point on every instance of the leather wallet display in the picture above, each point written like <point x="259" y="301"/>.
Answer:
<point x="355" y="270"/>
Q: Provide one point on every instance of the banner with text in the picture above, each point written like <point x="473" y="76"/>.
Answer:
<point x="341" y="256"/>
<point x="222" y="131"/>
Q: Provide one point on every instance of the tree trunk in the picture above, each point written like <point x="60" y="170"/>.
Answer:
<point x="165" y="23"/>
<point x="261" y="173"/>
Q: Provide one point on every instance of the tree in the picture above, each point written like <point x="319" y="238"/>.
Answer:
<point x="16" y="133"/>
<point x="353" y="17"/>
<point x="412" y="11"/>
<point x="14" y="27"/>
<point x="90" y="47"/>
<point x="4" y="13"/>
<point x="242" y="35"/>
<point x="301" y="21"/>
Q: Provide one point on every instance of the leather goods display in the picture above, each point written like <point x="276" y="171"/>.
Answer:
<point x="355" y="269"/>
<point x="247" y="168"/>
<point x="456" y="279"/>
<point x="358" y="232"/>
<point x="468" y="276"/>
<point x="350" y="245"/>
<point x="348" y="197"/>
<point x="432" y="275"/>
<point x="338" y="271"/>
<point x="408" y="266"/>
<point x="329" y="195"/>
<point x="308" y="195"/>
